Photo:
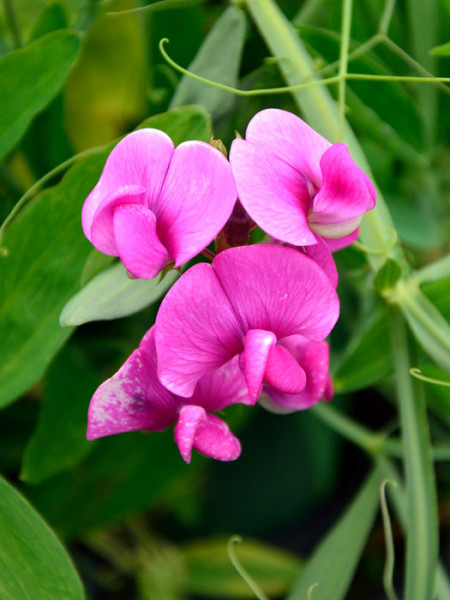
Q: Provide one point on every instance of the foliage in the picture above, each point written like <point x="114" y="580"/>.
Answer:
<point x="138" y="522"/>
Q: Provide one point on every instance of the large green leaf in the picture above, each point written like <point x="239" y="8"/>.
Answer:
<point x="42" y="258"/>
<point x="33" y="564"/>
<point x="59" y="440"/>
<point x="39" y="271"/>
<point x="112" y="294"/>
<point x="218" y="59"/>
<point x="334" y="561"/>
<point x="210" y="572"/>
<point x="31" y="77"/>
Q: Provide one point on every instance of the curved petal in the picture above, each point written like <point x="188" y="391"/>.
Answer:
<point x="102" y="230"/>
<point x="196" y="330"/>
<point x="278" y="289"/>
<point x="133" y="398"/>
<point x="274" y="194"/>
<point x="137" y="242"/>
<point x="140" y="159"/>
<point x="186" y="429"/>
<point x="321" y="254"/>
<point x="214" y="439"/>
<point x="283" y="372"/>
<point x="345" y="195"/>
<point x="222" y="387"/>
<point x="290" y="139"/>
<point x="338" y="243"/>
<point x="314" y="359"/>
<point x="196" y="201"/>
<point x="258" y="344"/>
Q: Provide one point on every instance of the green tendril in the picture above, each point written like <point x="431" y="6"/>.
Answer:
<point x="417" y="373"/>
<point x="240" y="569"/>
<point x="311" y="588"/>
<point x="389" y="542"/>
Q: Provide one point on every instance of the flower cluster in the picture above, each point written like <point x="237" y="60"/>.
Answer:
<point x="250" y="326"/>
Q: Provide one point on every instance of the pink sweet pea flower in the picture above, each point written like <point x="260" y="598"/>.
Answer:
<point x="133" y="399"/>
<point x="155" y="204"/>
<point x="245" y="304"/>
<point x="296" y="185"/>
<point x="314" y="359"/>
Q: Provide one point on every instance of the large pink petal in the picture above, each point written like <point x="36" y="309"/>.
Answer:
<point x="137" y="241"/>
<point x="133" y="398"/>
<point x="222" y="387"/>
<point x="214" y="439"/>
<point x="314" y="359"/>
<point x="196" y="201"/>
<point x="274" y="194"/>
<point x="278" y="289"/>
<point x="289" y="138"/>
<point x="283" y="372"/>
<point x="338" y="243"/>
<point x="140" y="159"/>
<point x="345" y="195"/>
<point x="196" y="330"/>
<point x="258" y="344"/>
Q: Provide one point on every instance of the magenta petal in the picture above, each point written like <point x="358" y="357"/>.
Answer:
<point x="101" y="233"/>
<point x="321" y="254"/>
<point x="197" y="330"/>
<point x="277" y="289"/>
<point x="283" y="372"/>
<point x="338" y="243"/>
<point x="133" y="398"/>
<point x="196" y="201"/>
<point x="273" y="193"/>
<point x="140" y="159"/>
<point x="258" y="344"/>
<point x="222" y="387"/>
<point x="137" y="242"/>
<point x="214" y="439"/>
<point x="291" y="139"/>
<point x="344" y="196"/>
<point x="186" y="429"/>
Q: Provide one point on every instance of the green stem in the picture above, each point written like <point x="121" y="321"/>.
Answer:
<point x="343" y="62"/>
<point x="388" y="574"/>
<point x="240" y="569"/>
<point x="422" y="534"/>
<point x="386" y="17"/>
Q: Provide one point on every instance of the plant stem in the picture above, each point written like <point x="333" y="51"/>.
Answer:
<point x="343" y="62"/>
<point x="422" y="534"/>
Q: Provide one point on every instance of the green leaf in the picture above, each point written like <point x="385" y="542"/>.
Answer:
<point x="52" y="18"/>
<point x="42" y="259"/>
<point x="106" y="92"/>
<point x="218" y="59"/>
<point x="333" y="563"/>
<point x="368" y="358"/>
<point x="33" y="564"/>
<point x="436" y="270"/>
<point x="59" y="440"/>
<point x="44" y="252"/>
<point x="31" y="77"/>
<point x="442" y="50"/>
<point x="210" y="572"/>
<point x="111" y="295"/>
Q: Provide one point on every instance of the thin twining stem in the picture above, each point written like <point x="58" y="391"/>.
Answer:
<point x="292" y="88"/>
